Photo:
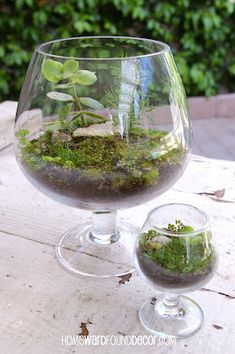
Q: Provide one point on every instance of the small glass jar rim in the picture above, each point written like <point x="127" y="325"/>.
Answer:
<point x="165" y="48"/>
<point x="179" y="234"/>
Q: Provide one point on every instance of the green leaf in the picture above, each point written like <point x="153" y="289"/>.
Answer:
<point x="187" y="229"/>
<point x="92" y="114"/>
<point x="64" y="86"/>
<point x="84" y="77"/>
<point x="54" y="126"/>
<point x="64" y="111"/>
<point x="231" y="68"/>
<point x="69" y="68"/>
<point x="52" y="70"/>
<point x="59" y="96"/>
<point x="75" y="122"/>
<point x="90" y="102"/>
<point x="74" y="114"/>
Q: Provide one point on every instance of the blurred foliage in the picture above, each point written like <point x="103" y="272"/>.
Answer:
<point x="201" y="34"/>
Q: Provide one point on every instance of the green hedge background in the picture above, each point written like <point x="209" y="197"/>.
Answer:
<point x="201" y="34"/>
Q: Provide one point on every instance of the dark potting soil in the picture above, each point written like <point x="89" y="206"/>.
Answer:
<point x="172" y="280"/>
<point x="78" y="189"/>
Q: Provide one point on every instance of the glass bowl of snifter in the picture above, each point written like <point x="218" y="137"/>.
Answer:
<point x="102" y="124"/>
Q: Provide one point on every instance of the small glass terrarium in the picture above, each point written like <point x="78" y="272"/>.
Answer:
<point x="175" y="252"/>
<point x="102" y="124"/>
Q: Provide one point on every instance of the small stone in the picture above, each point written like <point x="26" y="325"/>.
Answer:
<point x="159" y="241"/>
<point x="102" y="129"/>
<point x="58" y="136"/>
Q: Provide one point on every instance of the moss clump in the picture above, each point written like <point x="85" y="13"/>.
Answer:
<point x="178" y="255"/>
<point x="127" y="164"/>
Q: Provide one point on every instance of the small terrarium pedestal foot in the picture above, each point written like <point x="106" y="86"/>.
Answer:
<point x="171" y="316"/>
<point x="102" y="249"/>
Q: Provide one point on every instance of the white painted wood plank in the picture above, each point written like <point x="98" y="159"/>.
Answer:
<point x="7" y="117"/>
<point x="39" y="303"/>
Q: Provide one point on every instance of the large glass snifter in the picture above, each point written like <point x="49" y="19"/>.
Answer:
<point x="102" y="124"/>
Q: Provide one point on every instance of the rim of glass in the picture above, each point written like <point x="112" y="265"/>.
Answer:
<point x="165" y="48"/>
<point x="179" y="234"/>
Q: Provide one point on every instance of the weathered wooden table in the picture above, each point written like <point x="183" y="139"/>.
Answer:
<point x="40" y="303"/>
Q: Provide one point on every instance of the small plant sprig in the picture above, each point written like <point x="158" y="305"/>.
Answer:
<point x="178" y="226"/>
<point x="69" y="71"/>
<point x="21" y="135"/>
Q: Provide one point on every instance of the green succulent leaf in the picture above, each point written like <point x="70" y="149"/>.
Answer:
<point x="187" y="229"/>
<point x="52" y="70"/>
<point x="93" y="115"/>
<point x="69" y="68"/>
<point x="84" y="77"/>
<point x="90" y="102"/>
<point x="59" y="96"/>
<point x="64" y="111"/>
<point x="54" y="126"/>
<point x="64" y="86"/>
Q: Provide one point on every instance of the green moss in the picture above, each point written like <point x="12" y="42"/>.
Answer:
<point x="150" y="176"/>
<point x="184" y="254"/>
<point x="128" y="163"/>
<point x="33" y="162"/>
